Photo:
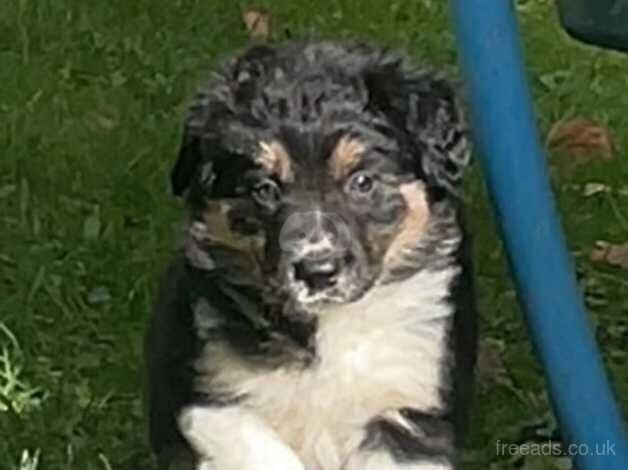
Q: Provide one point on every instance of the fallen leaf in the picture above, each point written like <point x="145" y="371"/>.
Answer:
<point x="598" y="253"/>
<point x="615" y="255"/>
<point x="258" y="23"/>
<point x="582" y="138"/>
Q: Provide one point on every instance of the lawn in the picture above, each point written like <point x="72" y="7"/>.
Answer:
<point x="91" y="99"/>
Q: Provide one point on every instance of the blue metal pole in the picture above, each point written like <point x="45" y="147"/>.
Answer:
<point x="514" y="166"/>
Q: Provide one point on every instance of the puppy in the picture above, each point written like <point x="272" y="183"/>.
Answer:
<point x="320" y="314"/>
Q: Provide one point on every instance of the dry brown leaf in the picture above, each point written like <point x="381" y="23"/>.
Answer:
<point x="582" y="138"/>
<point x="615" y="255"/>
<point x="258" y="23"/>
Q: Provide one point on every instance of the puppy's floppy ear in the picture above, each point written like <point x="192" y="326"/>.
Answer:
<point x="426" y="107"/>
<point x="185" y="167"/>
<point x="236" y="82"/>
<point x="191" y="153"/>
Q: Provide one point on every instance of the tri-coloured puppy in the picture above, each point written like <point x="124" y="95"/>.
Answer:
<point x="320" y="314"/>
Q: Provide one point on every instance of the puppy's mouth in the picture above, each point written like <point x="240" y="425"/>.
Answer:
<point x="314" y="284"/>
<point x="318" y="275"/>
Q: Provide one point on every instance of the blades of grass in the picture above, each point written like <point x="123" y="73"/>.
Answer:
<point x="105" y="462"/>
<point x="23" y="31"/>
<point x="621" y="218"/>
<point x="36" y="285"/>
<point x="25" y="196"/>
<point x="28" y="461"/>
<point x="9" y="334"/>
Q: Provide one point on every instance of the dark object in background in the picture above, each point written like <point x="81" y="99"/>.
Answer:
<point x="602" y="23"/>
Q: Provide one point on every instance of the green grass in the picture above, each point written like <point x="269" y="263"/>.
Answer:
<point x="91" y="100"/>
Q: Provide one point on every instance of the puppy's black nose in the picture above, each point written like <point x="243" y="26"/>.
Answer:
<point x="318" y="274"/>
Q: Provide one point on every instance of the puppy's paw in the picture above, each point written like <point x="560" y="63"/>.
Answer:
<point x="234" y="439"/>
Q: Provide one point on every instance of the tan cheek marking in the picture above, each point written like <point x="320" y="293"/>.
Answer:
<point x="413" y="225"/>
<point x="345" y="157"/>
<point x="215" y="230"/>
<point x="275" y="159"/>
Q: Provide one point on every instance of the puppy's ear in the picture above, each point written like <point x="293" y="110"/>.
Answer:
<point x="185" y="167"/>
<point x="236" y="82"/>
<point x="427" y="109"/>
<point x="193" y="145"/>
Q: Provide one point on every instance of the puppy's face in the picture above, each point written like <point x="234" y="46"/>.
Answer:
<point x="312" y="186"/>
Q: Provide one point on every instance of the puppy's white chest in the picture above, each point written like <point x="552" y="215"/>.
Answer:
<point x="384" y="352"/>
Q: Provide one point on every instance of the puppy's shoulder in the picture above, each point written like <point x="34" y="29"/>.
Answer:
<point x="170" y="333"/>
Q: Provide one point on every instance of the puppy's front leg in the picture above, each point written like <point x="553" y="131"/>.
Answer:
<point x="405" y="440"/>
<point x="231" y="438"/>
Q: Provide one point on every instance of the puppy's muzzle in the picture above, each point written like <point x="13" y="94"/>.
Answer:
<point x="318" y="246"/>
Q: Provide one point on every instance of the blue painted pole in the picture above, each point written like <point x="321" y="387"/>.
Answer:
<point x="516" y="174"/>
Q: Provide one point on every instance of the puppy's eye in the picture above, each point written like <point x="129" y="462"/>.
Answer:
<point x="267" y="193"/>
<point x="361" y="184"/>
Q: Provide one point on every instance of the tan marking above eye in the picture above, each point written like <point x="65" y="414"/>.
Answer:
<point x="346" y="157"/>
<point x="275" y="159"/>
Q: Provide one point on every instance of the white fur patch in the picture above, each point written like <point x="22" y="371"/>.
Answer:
<point x="383" y="352"/>
<point x="232" y="439"/>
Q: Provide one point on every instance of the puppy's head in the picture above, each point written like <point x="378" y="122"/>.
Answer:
<point x="317" y="171"/>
